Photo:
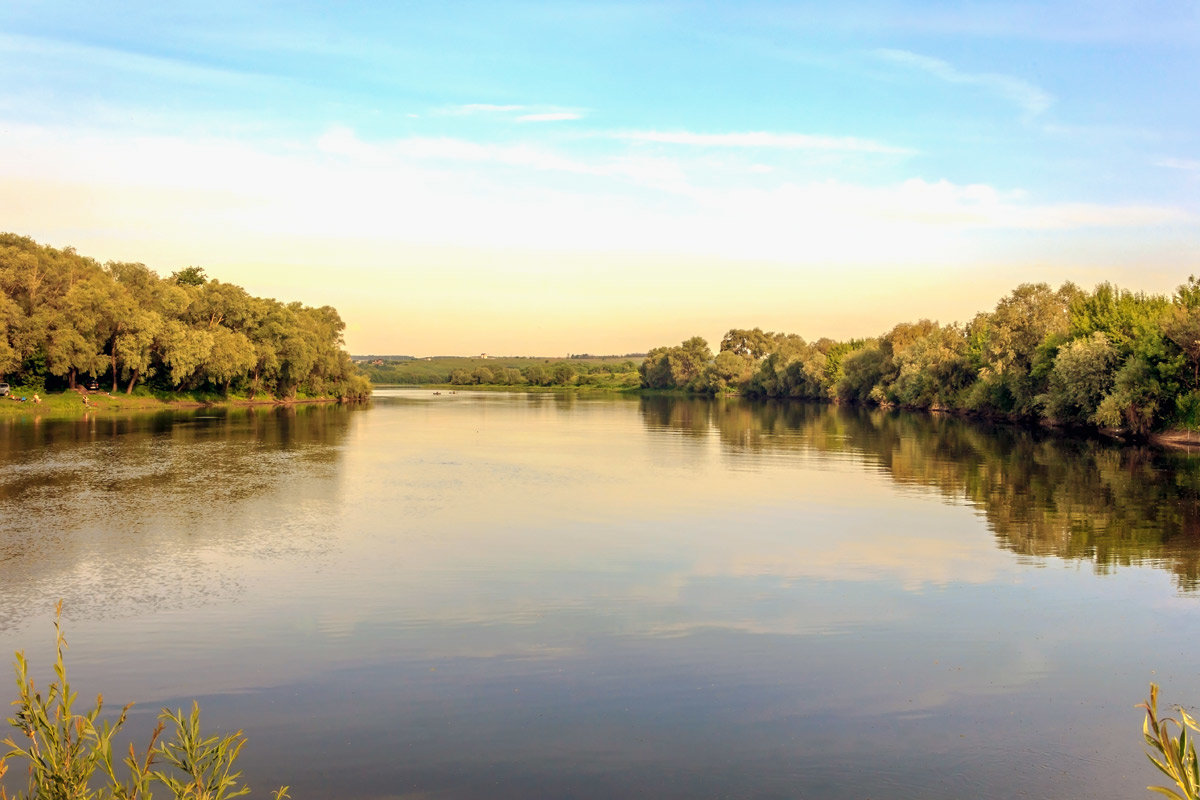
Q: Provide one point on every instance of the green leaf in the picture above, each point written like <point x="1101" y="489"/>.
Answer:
<point x="1166" y="791"/>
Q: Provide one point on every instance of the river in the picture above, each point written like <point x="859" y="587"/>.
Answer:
<point x="491" y="595"/>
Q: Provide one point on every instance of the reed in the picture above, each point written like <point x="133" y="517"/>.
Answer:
<point x="1171" y="749"/>
<point x="70" y="755"/>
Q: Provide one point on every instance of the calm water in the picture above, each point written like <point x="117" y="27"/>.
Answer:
<point x="516" y="596"/>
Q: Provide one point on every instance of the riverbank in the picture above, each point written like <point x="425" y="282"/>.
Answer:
<point x="76" y="404"/>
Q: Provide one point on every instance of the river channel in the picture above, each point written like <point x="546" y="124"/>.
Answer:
<point x="490" y="595"/>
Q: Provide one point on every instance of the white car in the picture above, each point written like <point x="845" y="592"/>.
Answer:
<point x="4" y="389"/>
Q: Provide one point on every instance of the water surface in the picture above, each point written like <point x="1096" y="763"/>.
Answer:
<point x="508" y="595"/>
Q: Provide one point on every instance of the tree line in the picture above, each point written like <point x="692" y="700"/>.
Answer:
<point x="1108" y="358"/>
<point x="616" y="372"/>
<point x="65" y="318"/>
<point x="559" y="373"/>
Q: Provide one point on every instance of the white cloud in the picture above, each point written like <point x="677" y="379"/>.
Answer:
<point x="1030" y="98"/>
<point x="763" y="139"/>
<point x="466" y="193"/>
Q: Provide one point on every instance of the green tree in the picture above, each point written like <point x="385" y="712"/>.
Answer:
<point x="10" y="318"/>
<point x="752" y="344"/>
<point x="687" y="362"/>
<point x="509" y="376"/>
<point x="1122" y="316"/>
<point x="189" y="276"/>
<point x="729" y="370"/>
<point x="655" y="369"/>
<point x="535" y="374"/>
<point x="862" y="371"/>
<point x="931" y="367"/>
<point x="182" y="350"/>
<point x="1133" y="403"/>
<point x="232" y="356"/>
<point x="1002" y="345"/>
<point x="563" y="374"/>
<point x="794" y="368"/>
<point x="297" y="356"/>
<point x="1082" y="376"/>
<point x="1182" y="326"/>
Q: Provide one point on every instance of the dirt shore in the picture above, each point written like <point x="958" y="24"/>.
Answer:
<point x="1178" y="439"/>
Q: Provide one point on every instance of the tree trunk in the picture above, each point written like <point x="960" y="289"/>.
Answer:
<point x="132" y="380"/>
<point x="71" y="379"/>
<point x="114" y="363"/>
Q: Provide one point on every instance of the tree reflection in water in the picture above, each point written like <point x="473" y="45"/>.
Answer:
<point x="1043" y="493"/>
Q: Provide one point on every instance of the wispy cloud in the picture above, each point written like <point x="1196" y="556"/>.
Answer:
<point x="550" y="116"/>
<point x="516" y="112"/>
<point x="128" y="61"/>
<point x="1185" y="164"/>
<point x="660" y="174"/>
<point x="764" y="139"/>
<point x="469" y="109"/>
<point x="1032" y="99"/>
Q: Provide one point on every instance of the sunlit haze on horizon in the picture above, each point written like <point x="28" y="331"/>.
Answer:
<point x="562" y="177"/>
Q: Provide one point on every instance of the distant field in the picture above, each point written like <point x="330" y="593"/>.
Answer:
<point x="503" y="370"/>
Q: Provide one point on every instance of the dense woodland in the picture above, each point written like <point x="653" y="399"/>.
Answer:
<point x="1108" y="358"/>
<point x="65" y="318"/>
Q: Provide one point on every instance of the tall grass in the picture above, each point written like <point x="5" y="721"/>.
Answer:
<point x="69" y="756"/>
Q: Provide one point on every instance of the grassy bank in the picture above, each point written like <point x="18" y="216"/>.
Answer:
<point x="71" y="405"/>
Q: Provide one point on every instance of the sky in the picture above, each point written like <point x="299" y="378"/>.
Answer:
<point x="543" y="178"/>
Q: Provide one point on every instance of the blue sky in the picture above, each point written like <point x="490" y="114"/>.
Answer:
<point x="544" y="177"/>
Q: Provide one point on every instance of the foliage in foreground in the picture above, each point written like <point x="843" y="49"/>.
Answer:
<point x="70" y="755"/>
<point x="1176" y="753"/>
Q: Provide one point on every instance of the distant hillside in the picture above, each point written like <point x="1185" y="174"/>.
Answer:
<point x="504" y="370"/>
